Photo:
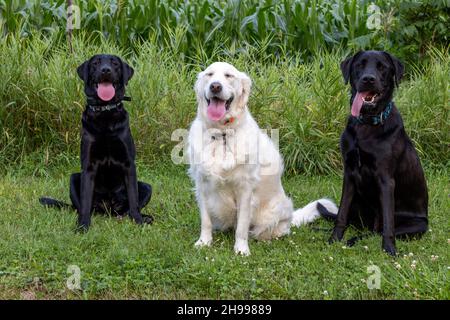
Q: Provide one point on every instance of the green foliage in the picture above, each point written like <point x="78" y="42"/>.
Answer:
<point x="298" y="27"/>
<point x="41" y="99"/>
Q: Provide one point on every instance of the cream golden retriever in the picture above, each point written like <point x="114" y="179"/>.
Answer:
<point x="236" y="167"/>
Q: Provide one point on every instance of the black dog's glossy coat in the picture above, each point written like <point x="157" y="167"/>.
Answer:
<point x="107" y="182"/>
<point x="384" y="187"/>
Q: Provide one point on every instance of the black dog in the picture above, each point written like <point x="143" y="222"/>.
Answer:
<point x="108" y="181"/>
<point x="384" y="186"/>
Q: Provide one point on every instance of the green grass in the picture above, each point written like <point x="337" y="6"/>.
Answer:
<point x="121" y="260"/>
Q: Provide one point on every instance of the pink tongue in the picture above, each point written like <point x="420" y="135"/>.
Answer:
<point x="358" y="102"/>
<point x="216" y="109"/>
<point x="106" y="91"/>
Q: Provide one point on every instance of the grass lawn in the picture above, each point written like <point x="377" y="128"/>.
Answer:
<point x="118" y="259"/>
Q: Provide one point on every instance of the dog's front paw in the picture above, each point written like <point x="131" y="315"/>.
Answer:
<point x="390" y="249"/>
<point x="83" y="224"/>
<point x="203" y="242"/>
<point x="82" y="228"/>
<point x="336" y="236"/>
<point x="241" y="248"/>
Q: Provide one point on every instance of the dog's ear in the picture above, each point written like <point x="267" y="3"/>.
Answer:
<point x="246" y="84"/>
<point x="83" y="70"/>
<point x="127" y="72"/>
<point x="397" y="66"/>
<point x="197" y="88"/>
<point x="346" y="67"/>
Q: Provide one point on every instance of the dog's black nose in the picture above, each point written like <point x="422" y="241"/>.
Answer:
<point x="368" y="78"/>
<point x="215" y="87"/>
<point x="106" y="70"/>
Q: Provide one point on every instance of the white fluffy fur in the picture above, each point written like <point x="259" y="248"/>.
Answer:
<point x="309" y="212"/>
<point x="232" y="193"/>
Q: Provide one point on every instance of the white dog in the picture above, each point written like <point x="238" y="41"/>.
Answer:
<point x="236" y="167"/>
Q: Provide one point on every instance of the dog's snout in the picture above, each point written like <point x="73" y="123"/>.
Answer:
<point x="106" y="70"/>
<point x="215" y="87"/>
<point x="368" y="79"/>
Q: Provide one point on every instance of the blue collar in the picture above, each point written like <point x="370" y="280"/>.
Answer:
<point x="379" y="119"/>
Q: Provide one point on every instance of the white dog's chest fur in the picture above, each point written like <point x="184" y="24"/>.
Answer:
<point x="223" y="163"/>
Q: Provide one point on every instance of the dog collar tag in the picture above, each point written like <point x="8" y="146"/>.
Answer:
<point x="377" y="119"/>
<point x="104" y="108"/>
<point x="229" y="120"/>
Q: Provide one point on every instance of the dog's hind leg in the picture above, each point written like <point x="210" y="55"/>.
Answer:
<point x="410" y="225"/>
<point x="144" y="196"/>
<point x="75" y="188"/>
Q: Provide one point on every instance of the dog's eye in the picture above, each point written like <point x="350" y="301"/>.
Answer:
<point x="209" y="74"/>
<point x="115" y="63"/>
<point x="228" y="75"/>
<point x="380" y="66"/>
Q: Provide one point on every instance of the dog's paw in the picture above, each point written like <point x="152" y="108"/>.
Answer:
<point x="82" y="228"/>
<point x="351" y="242"/>
<point x="147" y="219"/>
<point x="390" y="249"/>
<point x="203" y="243"/>
<point x="332" y="240"/>
<point x="336" y="236"/>
<point x="241" y="248"/>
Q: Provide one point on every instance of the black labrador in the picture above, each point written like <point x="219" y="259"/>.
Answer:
<point x="107" y="182"/>
<point x="384" y="186"/>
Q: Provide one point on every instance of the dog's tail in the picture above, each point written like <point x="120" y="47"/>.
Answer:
<point x="49" y="202"/>
<point x="322" y="207"/>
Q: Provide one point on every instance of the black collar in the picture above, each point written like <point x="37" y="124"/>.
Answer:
<point x="97" y="108"/>
<point x="378" y="119"/>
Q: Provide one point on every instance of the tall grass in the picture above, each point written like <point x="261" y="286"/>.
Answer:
<point x="41" y="101"/>
<point x="299" y="27"/>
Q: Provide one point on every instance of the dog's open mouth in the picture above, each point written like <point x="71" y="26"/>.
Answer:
<point x="367" y="98"/>
<point x="217" y="108"/>
<point x="106" y="90"/>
